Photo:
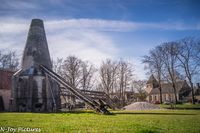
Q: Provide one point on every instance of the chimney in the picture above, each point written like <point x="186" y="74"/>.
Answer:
<point x="36" y="49"/>
<point x="32" y="90"/>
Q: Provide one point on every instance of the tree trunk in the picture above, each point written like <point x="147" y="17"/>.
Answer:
<point x="192" y="88"/>
<point x="175" y="93"/>
<point x="160" y="89"/>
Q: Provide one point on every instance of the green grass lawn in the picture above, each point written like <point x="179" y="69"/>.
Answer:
<point x="164" y="121"/>
<point x="182" y="106"/>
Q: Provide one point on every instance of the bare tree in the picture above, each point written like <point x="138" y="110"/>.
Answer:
<point x="108" y="76"/>
<point x="154" y="61"/>
<point x="57" y="66"/>
<point x="187" y="54"/>
<point x="174" y="61"/>
<point x="75" y="71"/>
<point x="116" y="77"/>
<point x="87" y="76"/>
<point x="69" y="69"/>
<point x="170" y="60"/>
<point x="124" y="78"/>
<point x="9" y="60"/>
<point x="138" y="85"/>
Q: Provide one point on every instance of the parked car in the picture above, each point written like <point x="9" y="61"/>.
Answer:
<point x="156" y="102"/>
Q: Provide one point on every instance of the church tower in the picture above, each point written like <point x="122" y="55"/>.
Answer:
<point x="151" y="84"/>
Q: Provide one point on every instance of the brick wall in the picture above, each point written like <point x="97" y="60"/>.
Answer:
<point x="5" y="87"/>
<point x="5" y="79"/>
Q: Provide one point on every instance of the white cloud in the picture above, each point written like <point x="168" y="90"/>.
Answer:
<point x="13" y="25"/>
<point x="80" y="37"/>
<point x="113" y="25"/>
<point x="19" y="5"/>
<point x="139" y="68"/>
<point x="87" y="45"/>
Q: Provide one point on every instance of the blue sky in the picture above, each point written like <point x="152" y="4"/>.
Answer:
<point x="98" y="29"/>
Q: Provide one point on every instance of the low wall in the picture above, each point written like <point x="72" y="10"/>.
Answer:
<point x="6" y="94"/>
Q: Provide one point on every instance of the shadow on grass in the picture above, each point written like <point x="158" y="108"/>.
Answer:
<point x="84" y="112"/>
<point x="149" y="113"/>
<point x="60" y="112"/>
<point x="111" y="113"/>
<point x="122" y="113"/>
<point x="178" y="108"/>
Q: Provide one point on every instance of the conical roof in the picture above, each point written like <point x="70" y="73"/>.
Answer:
<point x="152" y="80"/>
<point x="36" y="50"/>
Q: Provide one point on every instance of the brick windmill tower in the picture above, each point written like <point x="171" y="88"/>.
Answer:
<point x="32" y="89"/>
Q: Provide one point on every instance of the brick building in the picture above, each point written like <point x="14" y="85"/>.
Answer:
<point x="5" y="89"/>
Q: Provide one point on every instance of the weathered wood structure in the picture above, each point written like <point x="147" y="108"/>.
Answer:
<point x="97" y="105"/>
<point x="70" y="99"/>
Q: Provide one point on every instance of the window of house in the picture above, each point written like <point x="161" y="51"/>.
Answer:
<point x="164" y="97"/>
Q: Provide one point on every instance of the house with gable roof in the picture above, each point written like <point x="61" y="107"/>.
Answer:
<point x="152" y="88"/>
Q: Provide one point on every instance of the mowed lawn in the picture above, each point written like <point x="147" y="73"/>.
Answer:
<point x="164" y="121"/>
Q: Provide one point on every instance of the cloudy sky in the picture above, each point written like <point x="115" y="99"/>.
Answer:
<point x="98" y="29"/>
